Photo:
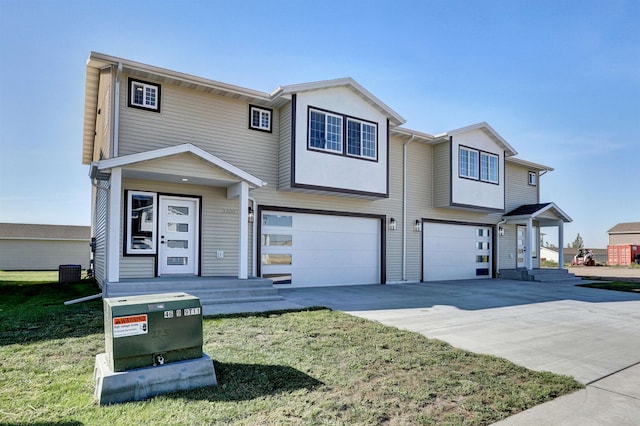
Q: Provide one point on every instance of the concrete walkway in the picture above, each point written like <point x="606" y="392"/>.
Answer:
<point x="592" y="335"/>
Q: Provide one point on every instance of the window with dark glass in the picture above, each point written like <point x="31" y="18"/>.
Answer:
<point x="141" y="222"/>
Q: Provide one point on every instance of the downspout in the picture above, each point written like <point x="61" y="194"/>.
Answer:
<point x="116" y="112"/>
<point x="404" y="207"/>
<point x="254" y="239"/>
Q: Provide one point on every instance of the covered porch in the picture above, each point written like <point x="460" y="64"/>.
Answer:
<point x="526" y="220"/>
<point x="170" y="174"/>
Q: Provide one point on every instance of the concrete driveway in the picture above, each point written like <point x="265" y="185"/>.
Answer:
<point x="592" y="335"/>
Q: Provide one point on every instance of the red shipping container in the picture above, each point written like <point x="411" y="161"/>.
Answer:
<point x="622" y="254"/>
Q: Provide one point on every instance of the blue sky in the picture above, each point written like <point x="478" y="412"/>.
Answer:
<point x="559" y="80"/>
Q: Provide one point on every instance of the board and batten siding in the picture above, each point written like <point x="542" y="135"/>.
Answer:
<point x="214" y="123"/>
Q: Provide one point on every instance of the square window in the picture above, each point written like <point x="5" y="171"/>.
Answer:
<point x="361" y="139"/>
<point x="144" y="95"/>
<point x="260" y="118"/>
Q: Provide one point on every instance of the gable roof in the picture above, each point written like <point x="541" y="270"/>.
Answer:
<point x="278" y="97"/>
<point x="394" y="118"/>
<point x="127" y="160"/>
<point x="487" y="129"/>
<point x="44" y="232"/>
<point x="625" y="228"/>
<point x="527" y="211"/>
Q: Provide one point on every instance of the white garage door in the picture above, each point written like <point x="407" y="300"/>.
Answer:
<point x="456" y="252"/>
<point x="320" y="250"/>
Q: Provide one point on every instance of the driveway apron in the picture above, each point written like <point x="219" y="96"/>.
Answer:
<point x="590" y="334"/>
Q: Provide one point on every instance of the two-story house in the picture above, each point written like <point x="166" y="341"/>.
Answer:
<point x="312" y="184"/>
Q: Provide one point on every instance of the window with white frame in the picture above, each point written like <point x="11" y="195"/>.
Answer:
<point x="533" y="178"/>
<point x="141" y="222"/>
<point x="260" y="118"/>
<point x="468" y="163"/>
<point x="325" y="131"/>
<point x="488" y="167"/>
<point x="361" y="138"/>
<point x="144" y="95"/>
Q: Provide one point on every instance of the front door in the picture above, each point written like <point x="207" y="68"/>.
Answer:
<point x="521" y="231"/>
<point x="178" y="250"/>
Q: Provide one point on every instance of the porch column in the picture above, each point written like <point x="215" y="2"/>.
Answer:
<point x="241" y="190"/>
<point x="113" y="226"/>
<point x="529" y="239"/>
<point x="560" y="244"/>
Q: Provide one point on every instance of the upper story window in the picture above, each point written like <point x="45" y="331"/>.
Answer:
<point x="533" y="178"/>
<point x="361" y="138"/>
<point x="325" y="131"/>
<point x="488" y="167"/>
<point x="328" y="130"/>
<point x="468" y="159"/>
<point x="260" y="118"/>
<point x="144" y="95"/>
<point x="478" y="165"/>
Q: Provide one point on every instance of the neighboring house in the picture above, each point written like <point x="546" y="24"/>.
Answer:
<point x="624" y="244"/>
<point x="311" y="184"/>
<point x="625" y="233"/>
<point x="28" y="247"/>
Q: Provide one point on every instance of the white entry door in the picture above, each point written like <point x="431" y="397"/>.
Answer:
<point x="178" y="250"/>
<point x="521" y="232"/>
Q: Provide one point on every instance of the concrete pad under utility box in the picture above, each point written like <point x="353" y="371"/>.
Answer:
<point x="143" y="383"/>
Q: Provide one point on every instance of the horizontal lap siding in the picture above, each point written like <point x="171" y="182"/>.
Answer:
<point x="217" y="124"/>
<point x="518" y="190"/>
<point x="219" y="229"/>
<point x="99" y="231"/>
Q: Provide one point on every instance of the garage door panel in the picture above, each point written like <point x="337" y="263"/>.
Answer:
<point x="335" y="240"/>
<point x="451" y="251"/>
<point x="330" y="250"/>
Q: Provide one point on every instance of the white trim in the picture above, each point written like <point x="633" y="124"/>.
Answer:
<point x="127" y="160"/>
<point x="144" y="86"/>
<point x="128" y="216"/>
<point x="113" y="226"/>
<point x="488" y="130"/>
<point x="261" y="111"/>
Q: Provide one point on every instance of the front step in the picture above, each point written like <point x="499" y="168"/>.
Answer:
<point x="540" y="275"/>
<point x="209" y="290"/>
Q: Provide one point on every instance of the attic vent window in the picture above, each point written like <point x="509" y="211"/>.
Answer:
<point x="144" y="95"/>
<point x="260" y="118"/>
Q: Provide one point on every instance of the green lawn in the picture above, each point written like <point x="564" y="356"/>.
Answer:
<point x="615" y="285"/>
<point x="311" y="367"/>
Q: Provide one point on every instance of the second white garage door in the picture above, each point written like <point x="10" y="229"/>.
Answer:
<point x="320" y="250"/>
<point x="456" y="252"/>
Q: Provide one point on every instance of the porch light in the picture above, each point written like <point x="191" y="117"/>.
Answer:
<point x="251" y="215"/>
<point x="392" y="224"/>
<point x="418" y="226"/>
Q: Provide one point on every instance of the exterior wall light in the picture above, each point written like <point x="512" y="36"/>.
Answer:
<point x="392" y="224"/>
<point x="501" y="231"/>
<point x="251" y="215"/>
<point x="418" y="226"/>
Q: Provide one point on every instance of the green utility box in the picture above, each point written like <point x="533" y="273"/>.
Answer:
<point x="151" y="330"/>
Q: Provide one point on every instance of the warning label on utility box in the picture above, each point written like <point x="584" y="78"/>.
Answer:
<point x="132" y="325"/>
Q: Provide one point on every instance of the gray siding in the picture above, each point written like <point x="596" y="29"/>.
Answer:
<point x="624" y="239"/>
<point x="518" y="190"/>
<point x="284" y="160"/>
<point x="441" y="175"/>
<point x="99" y="231"/>
<point x="42" y="255"/>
